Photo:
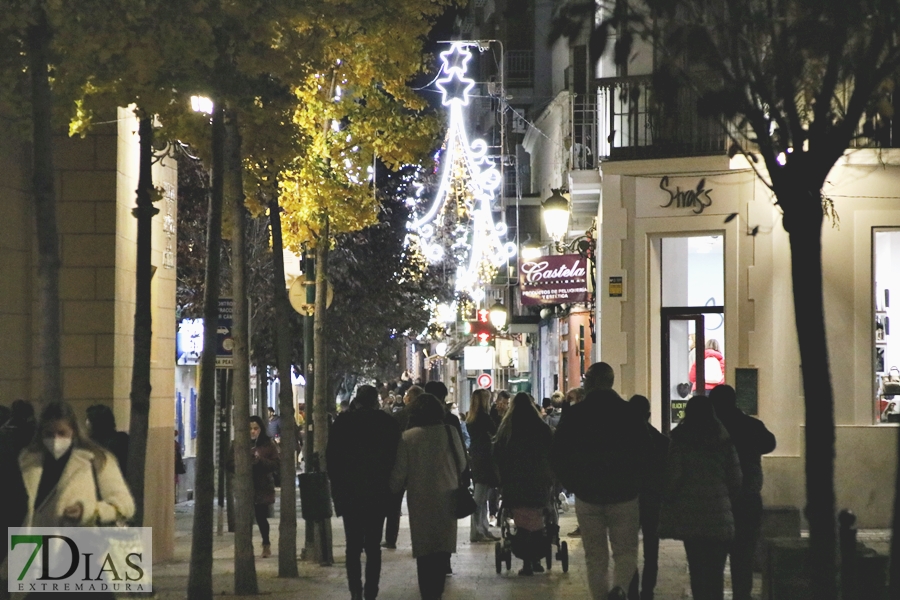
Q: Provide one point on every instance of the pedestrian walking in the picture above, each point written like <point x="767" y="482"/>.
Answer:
<point x="703" y="478"/>
<point x="362" y="448"/>
<point x="101" y="427"/>
<point x="265" y="461"/>
<point x="501" y="405"/>
<point x="484" y="474"/>
<point x="751" y="439"/>
<point x="273" y="425"/>
<point x="430" y="462"/>
<point x="650" y="502"/>
<point x="71" y="481"/>
<point x="15" y="435"/>
<point x="598" y="453"/>
<point x="522" y="452"/>
<point x="392" y="521"/>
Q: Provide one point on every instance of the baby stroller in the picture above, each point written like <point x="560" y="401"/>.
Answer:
<point x="510" y="543"/>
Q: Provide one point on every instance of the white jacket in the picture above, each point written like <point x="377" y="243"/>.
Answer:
<point x="77" y="484"/>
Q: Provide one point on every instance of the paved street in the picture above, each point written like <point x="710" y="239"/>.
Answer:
<point x="473" y="566"/>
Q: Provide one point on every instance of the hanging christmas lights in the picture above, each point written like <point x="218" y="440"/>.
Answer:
<point x="468" y="183"/>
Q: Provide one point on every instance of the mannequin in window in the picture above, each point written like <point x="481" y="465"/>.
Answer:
<point x="713" y="367"/>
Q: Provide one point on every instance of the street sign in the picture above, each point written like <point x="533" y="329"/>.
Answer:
<point x="224" y="341"/>
<point x="297" y="296"/>
<point x="485" y="381"/>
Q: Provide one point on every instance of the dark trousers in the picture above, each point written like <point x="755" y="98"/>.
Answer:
<point x="432" y="571"/>
<point x="494" y="502"/>
<point x="262" y="520"/>
<point x="392" y="522"/>
<point x="649" y="510"/>
<point x="747" y="525"/>
<point x="706" y="562"/>
<point x="363" y="532"/>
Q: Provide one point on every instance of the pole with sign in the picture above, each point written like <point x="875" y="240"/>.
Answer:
<point x="485" y="381"/>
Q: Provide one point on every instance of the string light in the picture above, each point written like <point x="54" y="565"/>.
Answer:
<point x="468" y="183"/>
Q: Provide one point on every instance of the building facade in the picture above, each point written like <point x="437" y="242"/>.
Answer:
<point x="95" y="183"/>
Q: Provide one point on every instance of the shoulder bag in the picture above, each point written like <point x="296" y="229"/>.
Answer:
<point x="463" y="502"/>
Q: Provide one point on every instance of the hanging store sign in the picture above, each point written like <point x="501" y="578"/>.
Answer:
<point x="558" y="279"/>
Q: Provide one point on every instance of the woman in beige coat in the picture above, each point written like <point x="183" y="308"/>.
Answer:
<point x="71" y="481"/>
<point x="430" y="460"/>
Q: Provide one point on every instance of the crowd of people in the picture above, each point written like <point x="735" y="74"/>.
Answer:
<point x="701" y="485"/>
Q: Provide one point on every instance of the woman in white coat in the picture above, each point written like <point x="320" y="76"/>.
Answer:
<point x="71" y="481"/>
<point x="430" y="460"/>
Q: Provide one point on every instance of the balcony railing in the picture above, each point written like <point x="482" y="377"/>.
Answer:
<point x="634" y="124"/>
<point x="519" y="68"/>
<point x="583" y="151"/>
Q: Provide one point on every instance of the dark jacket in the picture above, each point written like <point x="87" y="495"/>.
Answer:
<point x="654" y="479"/>
<point x="752" y="440"/>
<point x="523" y="461"/>
<point x="402" y="418"/>
<point x="266" y="461"/>
<point x="482" y="431"/>
<point x="703" y="477"/>
<point x="600" y="449"/>
<point x="13" y="439"/>
<point x="118" y="444"/>
<point x="362" y="448"/>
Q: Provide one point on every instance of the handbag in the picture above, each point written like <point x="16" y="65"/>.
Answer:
<point x="463" y="502"/>
<point x="890" y="383"/>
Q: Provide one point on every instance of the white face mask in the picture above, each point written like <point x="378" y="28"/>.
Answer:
<point x="57" y="446"/>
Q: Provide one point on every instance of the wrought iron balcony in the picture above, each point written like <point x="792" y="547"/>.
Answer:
<point x="634" y="123"/>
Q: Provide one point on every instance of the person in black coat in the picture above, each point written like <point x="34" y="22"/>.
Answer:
<point x="362" y="449"/>
<point x="522" y="453"/>
<point x="101" y="425"/>
<point x="599" y="452"/>
<point x="650" y="502"/>
<point x="751" y="440"/>
<point x="15" y="435"/>
<point x="484" y="475"/>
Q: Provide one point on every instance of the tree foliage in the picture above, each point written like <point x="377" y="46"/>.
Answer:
<point x="383" y="288"/>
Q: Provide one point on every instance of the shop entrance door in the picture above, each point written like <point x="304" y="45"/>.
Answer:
<point x="684" y="332"/>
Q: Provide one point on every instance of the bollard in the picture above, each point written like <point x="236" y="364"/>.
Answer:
<point x="849" y="587"/>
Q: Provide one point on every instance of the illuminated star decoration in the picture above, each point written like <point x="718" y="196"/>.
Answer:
<point x="471" y="178"/>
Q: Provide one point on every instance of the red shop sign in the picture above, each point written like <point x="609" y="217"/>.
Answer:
<point x="560" y="279"/>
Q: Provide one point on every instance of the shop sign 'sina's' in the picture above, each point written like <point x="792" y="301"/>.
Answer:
<point x="696" y="199"/>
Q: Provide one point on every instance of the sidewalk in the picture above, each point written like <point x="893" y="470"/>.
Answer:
<point x="474" y="574"/>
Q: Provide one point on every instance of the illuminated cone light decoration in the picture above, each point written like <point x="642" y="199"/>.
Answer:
<point x="468" y="183"/>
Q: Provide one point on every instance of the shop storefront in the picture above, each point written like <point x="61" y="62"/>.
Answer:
<point x="695" y="289"/>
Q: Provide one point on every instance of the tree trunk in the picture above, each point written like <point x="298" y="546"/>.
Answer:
<point x="805" y="230"/>
<point x="143" y="322"/>
<point x="320" y="356"/>
<point x="309" y="449"/>
<point x="287" y="527"/>
<point x="38" y="40"/>
<point x="200" y="574"/>
<point x="244" y="565"/>
<point x="321" y="398"/>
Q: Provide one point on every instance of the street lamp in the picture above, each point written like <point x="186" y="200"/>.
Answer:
<point x="499" y="315"/>
<point x="556" y="215"/>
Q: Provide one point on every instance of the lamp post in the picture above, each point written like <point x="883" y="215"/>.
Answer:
<point x="499" y="315"/>
<point x="556" y="220"/>
<point x="556" y="216"/>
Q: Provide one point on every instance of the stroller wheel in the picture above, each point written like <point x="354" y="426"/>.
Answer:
<point x="498" y="557"/>
<point x="564" y="556"/>
<point x="549" y="555"/>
